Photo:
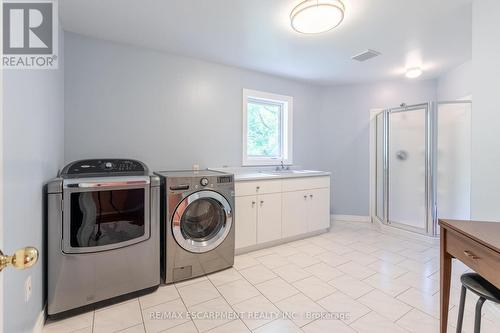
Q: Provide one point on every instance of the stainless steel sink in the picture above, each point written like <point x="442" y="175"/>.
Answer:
<point x="290" y="171"/>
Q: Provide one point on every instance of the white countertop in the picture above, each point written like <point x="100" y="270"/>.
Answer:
<point x="246" y="174"/>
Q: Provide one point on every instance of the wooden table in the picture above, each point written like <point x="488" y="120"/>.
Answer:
<point x="476" y="244"/>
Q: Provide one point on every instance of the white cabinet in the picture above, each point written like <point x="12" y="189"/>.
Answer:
<point x="318" y="209"/>
<point x="257" y="212"/>
<point x="245" y="221"/>
<point x="305" y="211"/>
<point x="271" y="210"/>
<point x="269" y="217"/>
<point x="294" y="213"/>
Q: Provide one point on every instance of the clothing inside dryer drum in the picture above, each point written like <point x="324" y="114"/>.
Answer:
<point x="202" y="219"/>
<point x="106" y="217"/>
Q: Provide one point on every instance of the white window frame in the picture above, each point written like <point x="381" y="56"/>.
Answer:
<point x="286" y="128"/>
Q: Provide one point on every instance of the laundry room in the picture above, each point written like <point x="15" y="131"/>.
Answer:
<point x="249" y="166"/>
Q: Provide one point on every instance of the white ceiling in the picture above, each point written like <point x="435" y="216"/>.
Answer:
<point x="256" y="34"/>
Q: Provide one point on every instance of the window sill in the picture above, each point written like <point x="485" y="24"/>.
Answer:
<point x="263" y="163"/>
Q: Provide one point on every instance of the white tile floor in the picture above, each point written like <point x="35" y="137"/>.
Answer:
<point x="375" y="282"/>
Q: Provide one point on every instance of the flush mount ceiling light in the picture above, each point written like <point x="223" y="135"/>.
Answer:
<point x="413" y="72"/>
<point x="317" y="16"/>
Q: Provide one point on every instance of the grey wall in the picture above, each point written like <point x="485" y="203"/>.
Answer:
<point x="33" y="151"/>
<point x="345" y="135"/>
<point x="486" y="111"/>
<point x="456" y="84"/>
<point x="166" y="110"/>
<point x="174" y="111"/>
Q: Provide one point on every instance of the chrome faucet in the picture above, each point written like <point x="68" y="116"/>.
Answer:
<point x="283" y="167"/>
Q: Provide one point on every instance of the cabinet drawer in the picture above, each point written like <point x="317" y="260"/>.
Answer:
<point x="257" y="187"/>
<point x="478" y="257"/>
<point x="299" y="184"/>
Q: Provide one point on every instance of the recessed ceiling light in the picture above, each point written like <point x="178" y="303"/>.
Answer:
<point x="413" y="72"/>
<point x="317" y="16"/>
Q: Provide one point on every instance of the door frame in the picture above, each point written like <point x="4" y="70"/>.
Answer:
<point x="373" y="166"/>
<point x="1" y="171"/>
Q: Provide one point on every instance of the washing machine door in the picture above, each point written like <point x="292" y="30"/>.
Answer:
<point x="202" y="221"/>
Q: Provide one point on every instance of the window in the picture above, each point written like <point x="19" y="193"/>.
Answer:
<point x="267" y="128"/>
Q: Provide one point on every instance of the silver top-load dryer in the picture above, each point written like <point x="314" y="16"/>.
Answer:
<point x="103" y="233"/>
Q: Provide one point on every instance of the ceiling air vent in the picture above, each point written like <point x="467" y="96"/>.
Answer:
<point x="365" y="55"/>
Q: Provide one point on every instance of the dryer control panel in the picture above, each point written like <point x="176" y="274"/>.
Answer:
<point x="104" y="167"/>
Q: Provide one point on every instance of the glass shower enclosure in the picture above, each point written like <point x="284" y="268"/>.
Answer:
<point x="422" y="165"/>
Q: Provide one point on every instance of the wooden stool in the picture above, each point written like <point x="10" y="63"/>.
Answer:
<point x="479" y="286"/>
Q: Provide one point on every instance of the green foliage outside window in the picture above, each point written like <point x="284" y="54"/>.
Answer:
<point x="263" y="129"/>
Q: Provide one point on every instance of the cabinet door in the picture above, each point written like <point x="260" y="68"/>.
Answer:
<point x="269" y="217"/>
<point x="245" y="221"/>
<point x="318" y="209"/>
<point x="294" y="213"/>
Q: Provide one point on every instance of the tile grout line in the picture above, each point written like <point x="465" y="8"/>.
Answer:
<point x="366" y="314"/>
<point x="142" y="316"/>
<point x="281" y="299"/>
<point x="231" y="306"/>
<point x="411" y="309"/>
<point x="399" y="324"/>
<point x="177" y="326"/>
<point x="185" y="306"/>
<point x="339" y="291"/>
<point x="195" y="304"/>
<point x="401" y="293"/>
<point x="93" y="320"/>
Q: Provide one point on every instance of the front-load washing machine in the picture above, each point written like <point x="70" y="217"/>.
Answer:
<point x="197" y="234"/>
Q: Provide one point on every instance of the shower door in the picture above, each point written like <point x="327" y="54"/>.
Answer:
<point x="408" y="160"/>
<point x="421" y="165"/>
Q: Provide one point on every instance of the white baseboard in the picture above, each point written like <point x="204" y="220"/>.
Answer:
<point x="40" y="321"/>
<point x="281" y="241"/>
<point x="351" y="218"/>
